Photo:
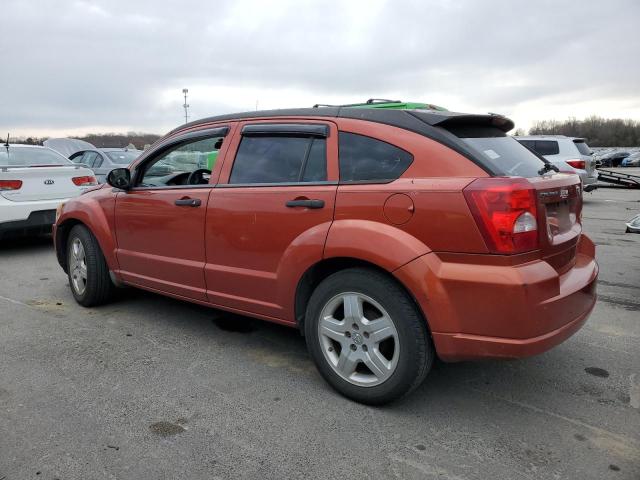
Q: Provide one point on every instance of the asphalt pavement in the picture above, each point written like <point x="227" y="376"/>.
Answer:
<point x="153" y="388"/>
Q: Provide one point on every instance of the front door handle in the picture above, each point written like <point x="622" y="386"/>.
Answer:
<point x="188" y="202"/>
<point x="305" y="203"/>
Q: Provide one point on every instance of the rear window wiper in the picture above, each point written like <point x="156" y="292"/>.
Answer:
<point x="548" y="166"/>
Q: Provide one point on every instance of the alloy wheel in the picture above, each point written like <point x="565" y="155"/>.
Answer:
<point x="359" y="339"/>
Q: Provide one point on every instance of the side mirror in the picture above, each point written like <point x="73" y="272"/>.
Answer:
<point x="120" y="178"/>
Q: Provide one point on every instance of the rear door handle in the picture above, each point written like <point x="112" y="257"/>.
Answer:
<point x="188" y="202"/>
<point x="305" y="203"/>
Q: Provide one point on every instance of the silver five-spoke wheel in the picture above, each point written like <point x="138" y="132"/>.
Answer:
<point x="359" y="339"/>
<point x="78" y="267"/>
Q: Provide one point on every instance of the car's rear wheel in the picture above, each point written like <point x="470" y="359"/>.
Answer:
<point x="367" y="337"/>
<point x="87" y="269"/>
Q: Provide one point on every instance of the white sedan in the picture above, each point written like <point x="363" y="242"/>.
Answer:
<point x="33" y="182"/>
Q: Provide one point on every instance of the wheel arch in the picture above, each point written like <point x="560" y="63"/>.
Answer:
<point x="328" y="266"/>
<point x="99" y="228"/>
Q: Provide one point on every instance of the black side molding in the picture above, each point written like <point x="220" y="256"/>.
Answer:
<point x="305" y="129"/>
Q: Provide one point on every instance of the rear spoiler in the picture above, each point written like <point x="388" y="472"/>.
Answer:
<point x="456" y="120"/>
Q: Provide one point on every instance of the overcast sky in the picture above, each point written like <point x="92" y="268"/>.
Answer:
<point x="75" y="66"/>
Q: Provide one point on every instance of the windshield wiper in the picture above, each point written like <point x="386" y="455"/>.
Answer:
<point x="548" y="167"/>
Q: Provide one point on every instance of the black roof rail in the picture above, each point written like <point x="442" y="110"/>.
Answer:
<point x="371" y="101"/>
<point x="382" y="100"/>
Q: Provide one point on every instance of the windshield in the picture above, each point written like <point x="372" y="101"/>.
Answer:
<point x="30" y="156"/>
<point x="507" y="156"/>
<point x="123" y="158"/>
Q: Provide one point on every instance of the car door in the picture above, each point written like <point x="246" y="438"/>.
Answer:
<point x="269" y="215"/>
<point x="160" y="221"/>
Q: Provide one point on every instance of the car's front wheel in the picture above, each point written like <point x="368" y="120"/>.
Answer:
<point x="367" y="337"/>
<point x="87" y="269"/>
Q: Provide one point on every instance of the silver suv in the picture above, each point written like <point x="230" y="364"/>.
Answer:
<point x="569" y="154"/>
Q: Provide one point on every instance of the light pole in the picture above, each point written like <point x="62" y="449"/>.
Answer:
<point x="186" y="105"/>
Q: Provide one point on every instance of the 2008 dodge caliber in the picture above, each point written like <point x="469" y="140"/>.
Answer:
<point x="386" y="236"/>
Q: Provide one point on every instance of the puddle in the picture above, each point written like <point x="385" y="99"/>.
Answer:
<point x="166" y="429"/>
<point x="597" y="372"/>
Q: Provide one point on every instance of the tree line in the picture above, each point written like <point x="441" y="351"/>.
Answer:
<point x="101" y="140"/>
<point x="598" y="131"/>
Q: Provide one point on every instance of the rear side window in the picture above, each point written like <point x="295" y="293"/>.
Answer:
<point x="542" y="147"/>
<point x="364" y="159"/>
<point x="547" y="147"/>
<point x="583" y="148"/>
<point x="280" y="159"/>
<point x="506" y="156"/>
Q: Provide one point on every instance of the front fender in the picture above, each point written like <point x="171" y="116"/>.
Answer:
<point x="381" y="244"/>
<point x="96" y="212"/>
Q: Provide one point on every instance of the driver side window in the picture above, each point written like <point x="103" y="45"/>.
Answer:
<point x="175" y="166"/>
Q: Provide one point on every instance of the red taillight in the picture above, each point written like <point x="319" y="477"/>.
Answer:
<point x="505" y="212"/>
<point x="576" y="164"/>
<point x="10" y="184"/>
<point x="85" y="181"/>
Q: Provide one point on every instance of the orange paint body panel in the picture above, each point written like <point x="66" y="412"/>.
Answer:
<point x="244" y="250"/>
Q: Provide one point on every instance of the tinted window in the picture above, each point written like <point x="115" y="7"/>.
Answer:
<point x="29" y="156"/>
<point x="583" y="148"/>
<point x="506" y="156"/>
<point x="547" y="147"/>
<point x="364" y="158"/>
<point x="316" y="168"/>
<point x="529" y="144"/>
<point x="279" y="159"/>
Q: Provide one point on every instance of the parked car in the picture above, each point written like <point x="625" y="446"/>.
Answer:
<point x="100" y="160"/>
<point x="386" y="236"/>
<point x="33" y="182"/>
<point x="633" y="226"/>
<point x="632" y="160"/>
<point x="613" y="159"/>
<point x="103" y="160"/>
<point x="569" y="154"/>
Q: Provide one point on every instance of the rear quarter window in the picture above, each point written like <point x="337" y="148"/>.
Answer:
<point x="366" y="159"/>
<point x="582" y="147"/>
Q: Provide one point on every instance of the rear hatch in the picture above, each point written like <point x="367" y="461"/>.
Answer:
<point x="557" y="197"/>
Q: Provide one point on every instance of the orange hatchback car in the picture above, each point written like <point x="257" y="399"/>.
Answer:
<point x="386" y="236"/>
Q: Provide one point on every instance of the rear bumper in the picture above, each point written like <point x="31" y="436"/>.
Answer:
<point x="479" y="311"/>
<point x="40" y="221"/>
<point x="16" y="211"/>
<point x="454" y="347"/>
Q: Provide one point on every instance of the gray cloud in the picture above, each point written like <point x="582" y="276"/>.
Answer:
<point x="74" y="64"/>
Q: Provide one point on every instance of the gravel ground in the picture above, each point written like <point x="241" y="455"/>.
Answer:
<point x="149" y="387"/>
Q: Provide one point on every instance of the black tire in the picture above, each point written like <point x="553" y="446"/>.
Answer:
<point x="416" y="352"/>
<point x="99" y="287"/>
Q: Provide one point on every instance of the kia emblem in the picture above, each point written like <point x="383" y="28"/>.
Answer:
<point x="49" y="182"/>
